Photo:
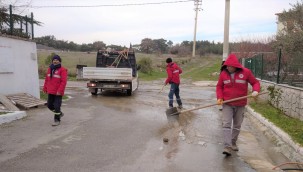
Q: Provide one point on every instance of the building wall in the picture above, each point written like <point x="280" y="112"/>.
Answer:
<point x="291" y="102"/>
<point x="18" y="67"/>
<point x="280" y="25"/>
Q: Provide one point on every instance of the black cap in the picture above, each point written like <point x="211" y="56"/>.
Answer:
<point x="169" y="60"/>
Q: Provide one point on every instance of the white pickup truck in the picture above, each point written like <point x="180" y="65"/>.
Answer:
<point x="115" y="71"/>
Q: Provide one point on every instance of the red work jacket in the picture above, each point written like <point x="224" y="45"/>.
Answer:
<point x="228" y="88"/>
<point x="173" y="73"/>
<point x="57" y="83"/>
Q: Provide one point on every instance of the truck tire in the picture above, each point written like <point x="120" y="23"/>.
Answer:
<point x="95" y="91"/>
<point x="129" y="92"/>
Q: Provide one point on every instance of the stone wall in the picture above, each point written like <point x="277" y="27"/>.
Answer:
<point x="291" y="102"/>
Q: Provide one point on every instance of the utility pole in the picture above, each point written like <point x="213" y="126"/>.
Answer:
<point x="226" y="30"/>
<point x="197" y="3"/>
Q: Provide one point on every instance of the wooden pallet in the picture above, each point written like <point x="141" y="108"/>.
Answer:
<point x="7" y="103"/>
<point x="25" y="100"/>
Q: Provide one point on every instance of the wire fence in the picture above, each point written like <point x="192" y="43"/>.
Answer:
<point x="16" y="25"/>
<point x="278" y="67"/>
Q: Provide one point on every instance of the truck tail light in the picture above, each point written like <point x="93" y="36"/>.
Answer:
<point x="91" y="84"/>
<point x="124" y="85"/>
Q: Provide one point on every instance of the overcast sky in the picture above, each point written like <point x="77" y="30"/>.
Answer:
<point x="122" y="24"/>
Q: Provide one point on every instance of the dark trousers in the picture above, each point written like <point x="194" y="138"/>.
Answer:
<point x="54" y="104"/>
<point x="174" y="90"/>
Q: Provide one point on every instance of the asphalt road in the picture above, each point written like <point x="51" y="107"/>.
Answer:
<point x="114" y="132"/>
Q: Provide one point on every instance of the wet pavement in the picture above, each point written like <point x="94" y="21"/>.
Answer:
<point x="115" y="132"/>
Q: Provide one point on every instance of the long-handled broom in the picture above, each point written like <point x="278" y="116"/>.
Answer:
<point x="174" y="111"/>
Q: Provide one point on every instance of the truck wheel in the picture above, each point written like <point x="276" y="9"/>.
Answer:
<point x="129" y="92"/>
<point x="95" y="91"/>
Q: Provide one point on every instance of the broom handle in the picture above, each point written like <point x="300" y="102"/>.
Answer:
<point x="161" y="89"/>
<point x="227" y="101"/>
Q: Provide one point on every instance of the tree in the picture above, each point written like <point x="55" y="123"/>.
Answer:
<point x="73" y="46"/>
<point x="86" y="47"/>
<point x="160" y="45"/>
<point x="147" y="45"/>
<point x="99" y="45"/>
<point x="289" y="41"/>
<point x="170" y="43"/>
<point x="16" y="18"/>
<point x="291" y="37"/>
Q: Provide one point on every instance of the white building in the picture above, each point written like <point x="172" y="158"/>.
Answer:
<point x="18" y="67"/>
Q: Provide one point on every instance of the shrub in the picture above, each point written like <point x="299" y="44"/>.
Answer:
<point x="146" y="65"/>
<point x="49" y="58"/>
<point x="42" y="71"/>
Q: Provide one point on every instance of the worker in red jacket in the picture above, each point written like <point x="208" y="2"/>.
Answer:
<point x="173" y="78"/>
<point x="54" y="86"/>
<point x="233" y="83"/>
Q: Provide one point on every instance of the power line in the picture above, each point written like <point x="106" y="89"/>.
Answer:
<point x="109" y="5"/>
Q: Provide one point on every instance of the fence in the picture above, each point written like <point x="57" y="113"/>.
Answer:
<point x="16" y="25"/>
<point x="278" y="67"/>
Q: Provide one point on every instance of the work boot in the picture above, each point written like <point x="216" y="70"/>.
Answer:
<point x="56" y="123"/>
<point x="234" y="147"/>
<point x="180" y="107"/>
<point x="227" y="151"/>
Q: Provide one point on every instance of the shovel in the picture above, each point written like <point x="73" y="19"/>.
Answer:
<point x="175" y="112"/>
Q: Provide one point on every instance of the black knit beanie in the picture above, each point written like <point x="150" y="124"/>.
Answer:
<point x="169" y="60"/>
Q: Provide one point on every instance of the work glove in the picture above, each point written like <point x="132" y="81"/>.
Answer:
<point x="220" y="101"/>
<point x="254" y="93"/>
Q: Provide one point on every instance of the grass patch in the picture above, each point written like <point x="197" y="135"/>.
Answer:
<point x="43" y="96"/>
<point x="197" y="70"/>
<point x="155" y="75"/>
<point x="2" y="113"/>
<point x="293" y="127"/>
<point x="69" y="61"/>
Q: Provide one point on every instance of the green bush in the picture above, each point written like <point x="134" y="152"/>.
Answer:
<point x="146" y="65"/>
<point x="48" y="59"/>
<point x="42" y="70"/>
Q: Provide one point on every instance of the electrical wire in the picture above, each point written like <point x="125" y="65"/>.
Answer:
<point x="108" y="5"/>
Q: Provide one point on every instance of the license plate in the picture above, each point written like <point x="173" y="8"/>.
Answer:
<point x="109" y="86"/>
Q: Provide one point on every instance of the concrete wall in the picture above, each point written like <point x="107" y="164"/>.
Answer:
<point x="18" y="67"/>
<point x="291" y="99"/>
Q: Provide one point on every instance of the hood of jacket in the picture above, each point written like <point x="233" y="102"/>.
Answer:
<point x="232" y="60"/>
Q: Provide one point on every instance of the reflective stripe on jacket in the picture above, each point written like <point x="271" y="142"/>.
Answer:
<point x="57" y="83"/>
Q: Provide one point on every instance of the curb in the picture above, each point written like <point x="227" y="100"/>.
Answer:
<point x="11" y="116"/>
<point x="277" y="131"/>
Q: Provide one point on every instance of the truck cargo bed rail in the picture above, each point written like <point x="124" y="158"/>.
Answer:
<point x="99" y="73"/>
